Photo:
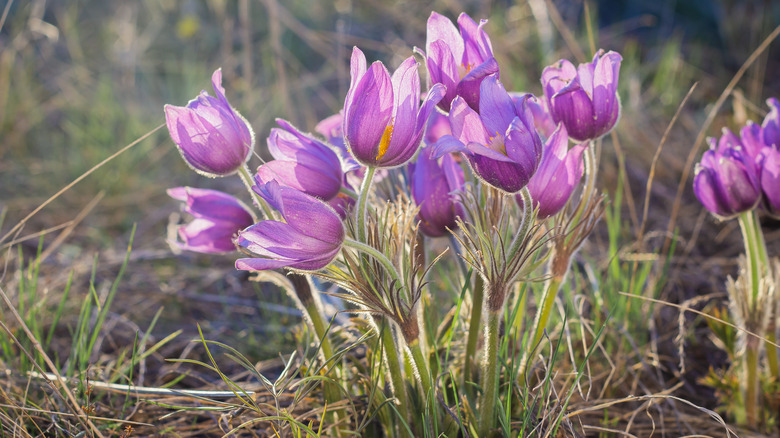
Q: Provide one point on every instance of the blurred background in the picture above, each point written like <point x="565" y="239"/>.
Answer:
<point x="80" y="79"/>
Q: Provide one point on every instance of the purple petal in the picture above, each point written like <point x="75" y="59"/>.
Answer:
<point x="496" y="108"/>
<point x="466" y="124"/>
<point x="317" y="182"/>
<point x="771" y="124"/>
<point x="440" y="28"/>
<point x="469" y="86"/>
<point x="368" y="114"/>
<point x="476" y="44"/>
<point x="446" y="144"/>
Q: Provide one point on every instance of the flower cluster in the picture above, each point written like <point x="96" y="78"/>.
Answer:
<point x="324" y="214"/>
<point x="741" y="172"/>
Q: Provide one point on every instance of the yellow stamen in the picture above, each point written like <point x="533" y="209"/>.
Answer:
<point x="384" y="143"/>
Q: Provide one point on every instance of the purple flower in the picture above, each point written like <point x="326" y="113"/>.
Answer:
<point x="559" y="173"/>
<point x="217" y="218"/>
<point x="212" y="137"/>
<point x="726" y="182"/>
<point x="330" y="128"/>
<point x="383" y="119"/>
<point x="500" y="143"/>
<point x="585" y="99"/>
<point x="433" y="185"/>
<point x="309" y="238"/>
<point x="459" y="60"/>
<point x="438" y="126"/>
<point x="771" y="125"/>
<point x="769" y="164"/>
<point x="302" y="162"/>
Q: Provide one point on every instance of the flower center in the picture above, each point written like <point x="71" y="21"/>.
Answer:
<point x="384" y="143"/>
<point x="465" y="68"/>
<point x="497" y="143"/>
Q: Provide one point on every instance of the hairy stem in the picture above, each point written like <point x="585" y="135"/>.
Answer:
<point x="362" y="204"/>
<point x="752" y="388"/>
<point x="377" y="255"/>
<point x="490" y="374"/>
<point x="246" y="178"/>
<point x="551" y="287"/>
<point x="528" y="211"/>
<point x="423" y="372"/>
<point x="393" y="367"/>
<point x="477" y="301"/>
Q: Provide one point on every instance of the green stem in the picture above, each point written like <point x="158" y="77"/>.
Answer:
<point x="477" y="301"/>
<point x="423" y="373"/>
<point x="362" y="204"/>
<point x="748" y="223"/>
<point x="377" y="255"/>
<point x="394" y="367"/>
<point x="348" y="192"/>
<point x="246" y="178"/>
<point x="590" y="181"/>
<point x="528" y="211"/>
<point x="771" y="350"/>
<point x="490" y="374"/>
<point x="320" y="329"/>
<point x="543" y="313"/>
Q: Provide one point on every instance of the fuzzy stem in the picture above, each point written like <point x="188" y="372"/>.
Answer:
<point x="747" y="223"/>
<point x="348" y="192"/>
<point x="477" y="301"/>
<point x="394" y="367"/>
<point x="751" y="381"/>
<point x="551" y="287"/>
<point x="528" y="211"/>
<point x="423" y="371"/>
<point x="312" y="310"/>
<point x="246" y="178"/>
<point x="362" y="204"/>
<point x="771" y="350"/>
<point x="377" y="255"/>
<point x="490" y="374"/>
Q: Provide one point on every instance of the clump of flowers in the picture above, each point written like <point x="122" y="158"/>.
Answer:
<point x="321" y="215"/>
<point x="737" y="177"/>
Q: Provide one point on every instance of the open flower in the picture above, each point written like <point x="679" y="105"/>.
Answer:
<point x="558" y="174"/>
<point x="211" y="136"/>
<point x="302" y="162"/>
<point x="771" y="125"/>
<point x="500" y="143"/>
<point x="309" y="239"/>
<point x="726" y="182"/>
<point x="769" y="165"/>
<point x="585" y="98"/>
<point x="459" y="60"/>
<point x="217" y="218"/>
<point x="383" y="118"/>
<point x="433" y="185"/>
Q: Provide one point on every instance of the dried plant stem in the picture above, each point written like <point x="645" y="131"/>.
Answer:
<point x="490" y="373"/>
<point x="477" y="301"/>
<point x="362" y="204"/>
<point x="751" y="382"/>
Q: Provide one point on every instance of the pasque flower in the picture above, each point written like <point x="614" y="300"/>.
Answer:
<point x="301" y="162"/>
<point x="771" y="125"/>
<point x="500" y="143"/>
<point x="212" y="137"/>
<point x="585" y="98"/>
<point x="558" y="174"/>
<point x="309" y="239"/>
<point x="726" y="180"/>
<point x="769" y="165"/>
<point x="383" y="118"/>
<point x="217" y="218"/>
<point x="459" y="60"/>
<point x="433" y="184"/>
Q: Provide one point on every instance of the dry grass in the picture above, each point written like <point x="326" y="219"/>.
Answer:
<point x="78" y="83"/>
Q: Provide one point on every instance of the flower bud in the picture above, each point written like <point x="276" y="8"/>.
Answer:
<point x="211" y="136"/>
